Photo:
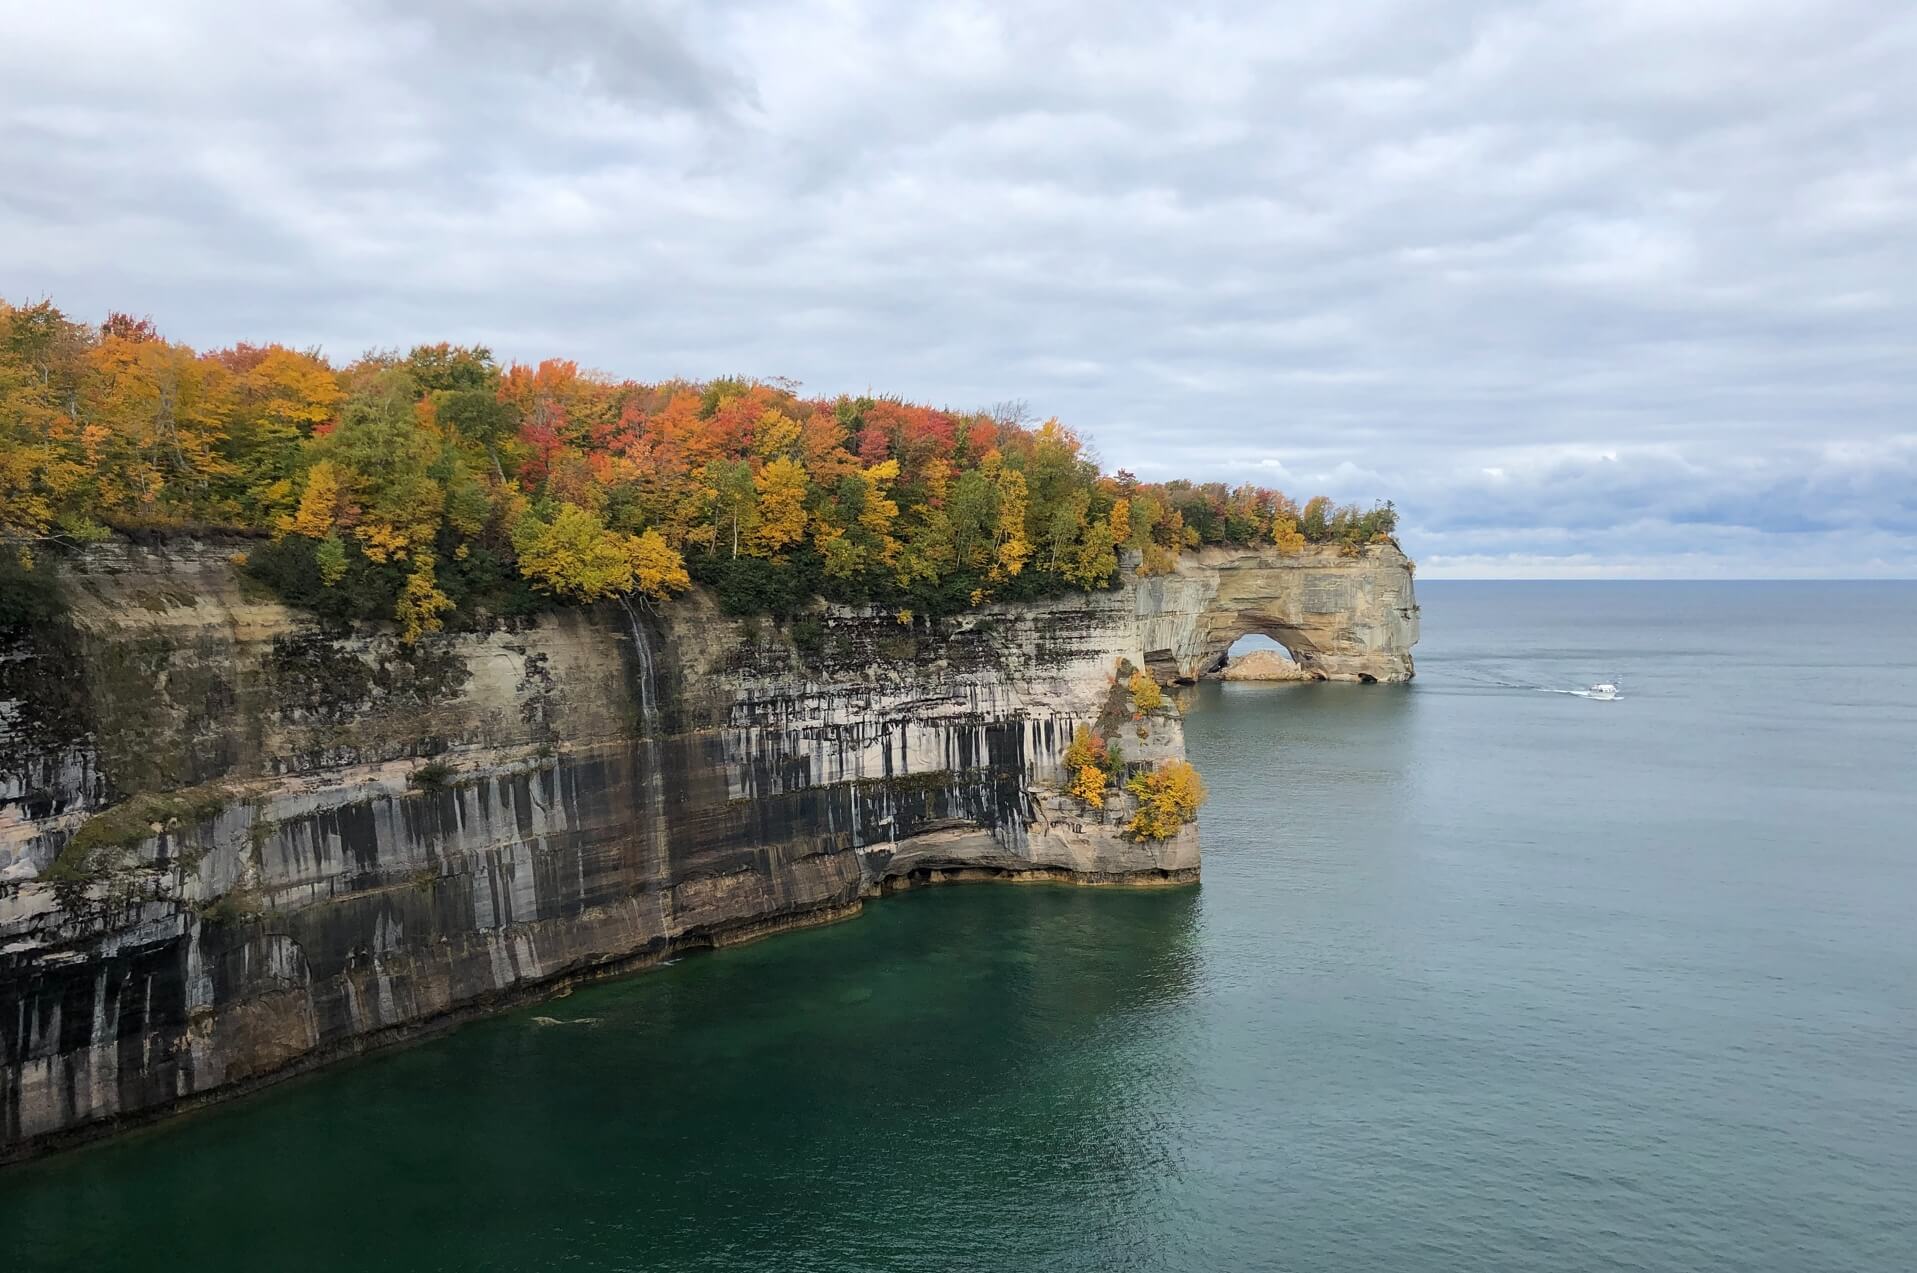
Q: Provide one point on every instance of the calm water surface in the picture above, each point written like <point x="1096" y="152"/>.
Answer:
<point x="1480" y="977"/>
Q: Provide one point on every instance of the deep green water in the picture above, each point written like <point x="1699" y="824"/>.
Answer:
<point x="1479" y="978"/>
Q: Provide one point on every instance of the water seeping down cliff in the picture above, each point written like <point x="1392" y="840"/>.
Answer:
<point x="234" y="845"/>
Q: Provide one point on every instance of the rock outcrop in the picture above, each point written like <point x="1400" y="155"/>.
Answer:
<point x="1343" y="618"/>
<point x="1262" y="665"/>
<point x="235" y="843"/>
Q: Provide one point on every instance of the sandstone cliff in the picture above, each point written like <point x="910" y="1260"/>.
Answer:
<point x="234" y="844"/>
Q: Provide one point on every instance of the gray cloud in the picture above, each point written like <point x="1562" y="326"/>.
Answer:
<point x="633" y="54"/>
<point x="1585" y="286"/>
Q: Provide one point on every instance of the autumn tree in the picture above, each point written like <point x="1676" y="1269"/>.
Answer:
<point x="1315" y="522"/>
<point x="572" y="554"/>
<point x="1145" y="693"/>
<point x="422" y="606"/>
<point x="382" y="462"/>
<point x="733" y="497"/>
<point x="49" y="461"/>
<point x="279" y="399"/>
<point x="780" y="521"/>
<point x="1168" y="798"/>
<point x="1089" y="767"/>
<point x="165" y="411"/>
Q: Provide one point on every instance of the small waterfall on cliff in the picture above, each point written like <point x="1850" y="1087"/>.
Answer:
<point x="649" y="743"/>
<point x="642" y="647"/>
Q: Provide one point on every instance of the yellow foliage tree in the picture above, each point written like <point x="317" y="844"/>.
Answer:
<point x="781" y="525"/>
<point x="1285" y="534"/>
<point x="1013" y="548"/>
<point x="1087" y="765"/>
<point x="382" y="541"/>
<point x="1088" y="786"/>
<point x="1168" y="798"/>
<point x="1092" y="560"/>
<point x="1086" y="748"/>
<point x="881" y="510"/>
<point x="775" y="434"/>
<point x="319" y="507"/>
<point x="298" y="390"/>
<point x="421" y="603"/>
<point x="575" y="556"/>
<point x="1146" y="696"/>
<point x="658" y="570"/>
<point x="167" y="410"/>
<point x="280" y="402"/>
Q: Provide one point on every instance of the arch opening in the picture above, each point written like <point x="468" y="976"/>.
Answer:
<point x="1258" y="656"/>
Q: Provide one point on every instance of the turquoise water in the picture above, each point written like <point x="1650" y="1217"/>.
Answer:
<point x="1480" y="977"/>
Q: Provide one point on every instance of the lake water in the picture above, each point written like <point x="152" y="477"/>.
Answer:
<point x="1480" y="977"/>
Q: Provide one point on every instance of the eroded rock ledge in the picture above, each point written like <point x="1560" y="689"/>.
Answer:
<point x="362" y="842"/>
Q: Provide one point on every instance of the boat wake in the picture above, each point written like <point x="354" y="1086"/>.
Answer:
<point x="1602" y="692"/>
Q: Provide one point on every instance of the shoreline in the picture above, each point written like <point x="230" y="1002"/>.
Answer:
<point x="560" y="985"/>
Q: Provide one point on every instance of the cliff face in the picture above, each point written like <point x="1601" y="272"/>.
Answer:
<point x="234" y="844"/>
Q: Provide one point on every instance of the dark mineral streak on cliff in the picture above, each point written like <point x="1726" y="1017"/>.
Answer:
<point x="235" y="844"/>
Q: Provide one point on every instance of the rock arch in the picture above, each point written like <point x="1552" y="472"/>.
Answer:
<point x="1343" y="618"/>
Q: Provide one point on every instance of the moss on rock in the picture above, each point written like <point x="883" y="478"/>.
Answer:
<point x="94" y="849"/>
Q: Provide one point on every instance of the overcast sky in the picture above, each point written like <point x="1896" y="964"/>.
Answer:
<point x="1620" y="287"/>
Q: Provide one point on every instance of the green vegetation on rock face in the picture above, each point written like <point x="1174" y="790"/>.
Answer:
<point x="29" y="599"/>
<point x="486" y="581"/>
<point x="231" y="909"/>
<point x="101" y="849"/>
<point x="135" y="819"/>
<point x="434" y="775"/>
<point x="38" y="649"/>
<point x="441" y="489"/>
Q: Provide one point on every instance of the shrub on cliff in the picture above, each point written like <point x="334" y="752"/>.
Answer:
<point x="1146" y="696"/>
<point x="1168" y="798"/>
<point x="1090" y="767"/>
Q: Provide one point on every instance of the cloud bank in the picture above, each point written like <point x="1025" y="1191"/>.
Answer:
<point x="1620" y="287"/>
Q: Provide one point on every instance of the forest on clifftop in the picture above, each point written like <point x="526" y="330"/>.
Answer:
<point x="439" y="487"/>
